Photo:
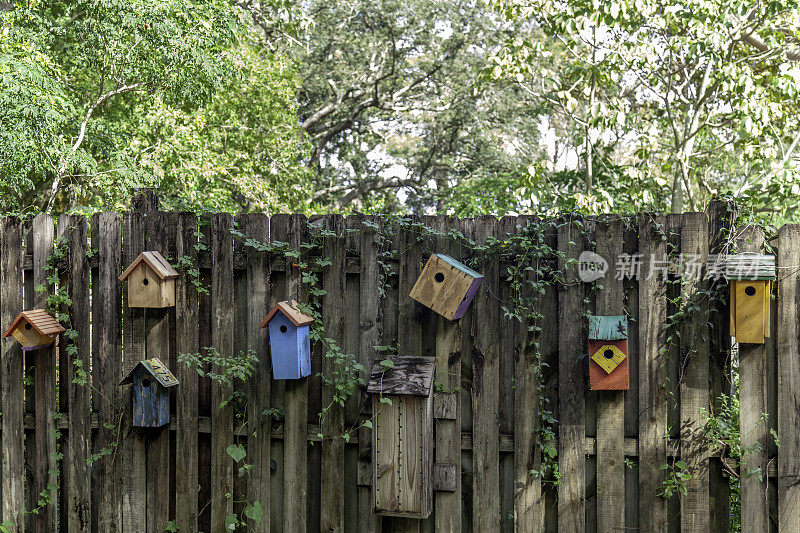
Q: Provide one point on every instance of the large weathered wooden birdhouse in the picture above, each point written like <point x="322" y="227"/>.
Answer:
<point x="446" y="286"/>
<point x="402" y="436"/>
<point x="289" y="344"/>
<point x="151" y="281"/>
<point x="608" y="353"/>
<point x="151" y="382"/>
<point x="751" y="278"/>
<point x="34" y="329"/>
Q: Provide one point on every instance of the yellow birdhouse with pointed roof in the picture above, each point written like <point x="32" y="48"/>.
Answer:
<point x="751" y="277"/>
<point x="151" y="281"/>
<point x="34" y="329"/>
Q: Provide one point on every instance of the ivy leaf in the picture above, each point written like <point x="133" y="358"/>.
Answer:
<point x="236" y="451"/>
<point x="254" y="511"/>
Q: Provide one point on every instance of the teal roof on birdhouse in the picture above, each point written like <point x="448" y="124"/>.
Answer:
<point x="157" y="369"/>
<point x="608" y="328"/>
<point x="460" y="266"/>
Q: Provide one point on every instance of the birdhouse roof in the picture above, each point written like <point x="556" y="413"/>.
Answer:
<point x="409" y="376"/>
<point x="459" y="265"/>
<point x="288" y="308"/>
<point x="154" y="260"/>
<point x="749" y="267"/>
<point x="608" y="328"/>
<point x="157" y="369"/>
<point x="40" y="320"/>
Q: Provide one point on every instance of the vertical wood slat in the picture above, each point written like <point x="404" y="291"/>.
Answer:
<point x="788" y="351"/>
<point x="186" y="395"/>
<point x="652" y="377"/>
<point x="694" y="386"/>
<point x="107" y="369"/>
<point x="507" y="357"/>
<point x="134" y="458"/>
<point x="256" y="226"/>
<point x="486" y="386"/>
<point x="12" y="473"/>
<point x="571" y="377"/>
<point x="157" y="344"/>
<point x="77" y="448"/>
<point x="448" y="373"/>
<point x="752" y="407"/>
<point x="610" y="404"/>
<point x="46" y="467"/>
<point x="333" y="283"/>
<point x="295" y="481"/>
<point x="222" y="324"/>
<point x="372" y="301"/>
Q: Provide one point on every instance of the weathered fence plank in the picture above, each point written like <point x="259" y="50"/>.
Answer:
<point x="186" y="396"/>
<point x="652" y="407"/>
<point x="222" y="325"/>
<point x="610" y="404"/>
<point x="694" y="383"/>
<point x="333" y="301"/>
<point x="12" y="475"/>
<point x="788" y="350"/>
<point x="572" y="379"/>
<point x="752" y="409"/>
<point x="75" y="379"/>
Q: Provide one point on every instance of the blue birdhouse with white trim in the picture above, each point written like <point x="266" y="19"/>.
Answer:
<point x="289" y="343"/>
<point x="151" y="381"/>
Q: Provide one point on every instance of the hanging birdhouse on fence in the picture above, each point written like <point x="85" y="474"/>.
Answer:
<point x="751" y="278"/>
<point x="151" y="281"/>
<point x="446" y="286"/>
<point x="34" y="329"/>
<point x="151" y="381"/>
<point x="608" y="353"/>
<point x="289" y="344"/>
<point x="402" y="436"/>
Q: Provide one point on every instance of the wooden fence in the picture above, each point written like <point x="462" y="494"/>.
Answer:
<point x="68" y="451"/>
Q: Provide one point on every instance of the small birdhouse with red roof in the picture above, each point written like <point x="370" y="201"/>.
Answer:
<point x="446" y="286"/>
<point x="608" y="353"/>
<point x="151" y="281"/>
<point x="151" y="381"/>
<point x="34" y="329"/>
<point x="289" y="343"/>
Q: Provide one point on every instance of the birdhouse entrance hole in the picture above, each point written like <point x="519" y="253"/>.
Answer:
<point x="283" y="329"/>
<point x="27" y="326"/>
<point x="145" y="281"/>
<point x="750" y="290"/>
<point x="608" y="354"/>
<point x="145" y="383"/>
<point x="439" y="277"/>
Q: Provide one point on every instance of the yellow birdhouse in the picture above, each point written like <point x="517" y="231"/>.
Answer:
<point x="751" y="278"/>
<point x="34" y="329"/>
<point x="151" y="281"/>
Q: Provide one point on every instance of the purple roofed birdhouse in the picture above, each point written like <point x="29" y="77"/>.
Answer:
<point x="446" y="286"/>
<point x="288" y="340"/>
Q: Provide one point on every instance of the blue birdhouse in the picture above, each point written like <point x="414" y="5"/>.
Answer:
<point x="288" y="340"/>
<point x="151" y="382"/>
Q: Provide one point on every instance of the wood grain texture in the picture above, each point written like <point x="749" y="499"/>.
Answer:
<point x="75" y="371"/>
<point x="486" y="387"/>
<point x="572" y="380"/>
<point x="788" y="351"/>
<point x="107" y="370"/>
<point x="186" y="395"/>
<point x="333" y="283"/>
<point x="259" y="386"/>
<point x="752" y="408"/>
<point x="12" y="473"/>
<point x="652" y="407"/>
<point x="610" y="404"/>
<point x="222" y="329"/>
<point x="694" y="385"/>
<point x="45" y="400"/>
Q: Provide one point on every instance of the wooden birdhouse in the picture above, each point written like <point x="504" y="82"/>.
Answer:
<point x="151" y="382"/>
<point x="608" y="353"/>
<point x="402" y="437"/>
<point x="289" y="344"/>
<point x="34" y="329"/>
<point x="151" y="281"/>
<point x="446" y="286"/>
<point x="751" y="278"/>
